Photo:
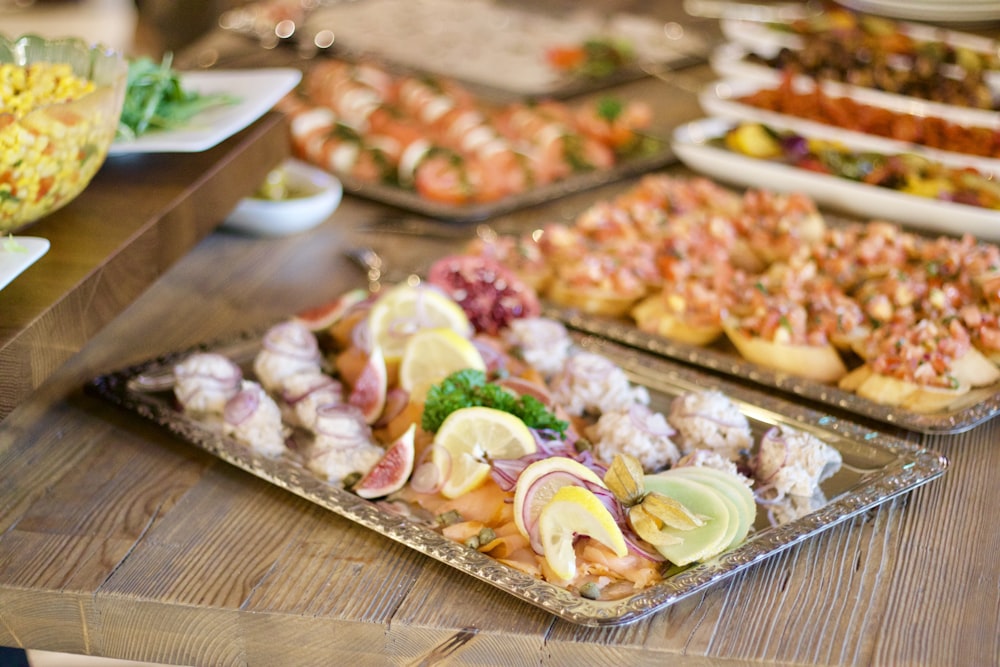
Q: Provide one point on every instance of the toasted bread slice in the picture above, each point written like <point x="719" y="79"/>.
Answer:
<point x="815" y="362"/>
<point x="888" y="390"/>
<point x="592" y="300"/>
<point x="652" y="316"/>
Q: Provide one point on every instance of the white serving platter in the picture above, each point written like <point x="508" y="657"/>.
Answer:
<point x="691" y="145"/>
<point x="729" y="61"/>
<point x="256" y="92"/>
<point x="721" y="98"/>
<point x="17" y="253"/>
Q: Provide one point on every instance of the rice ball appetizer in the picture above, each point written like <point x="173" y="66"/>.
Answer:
<point x="305" y="392"/>
<point x="792" y="462"/>
<point x="288" y="348"/>
<point x="253" y="418"/>
<point x="638" y="432"/>
<point x="590" y="385"/>
<point x="710" y="420"/>
<point x="543" y="343"/>
<point x="343" y="445"/>
<point x="205" y="381"/>
<point x="707" y="458"/>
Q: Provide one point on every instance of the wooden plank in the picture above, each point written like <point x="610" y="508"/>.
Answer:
<point x="114" y="240"/>
<point x="943" y="588"/>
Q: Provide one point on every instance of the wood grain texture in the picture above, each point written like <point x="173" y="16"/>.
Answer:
<point x="114" y="240"/>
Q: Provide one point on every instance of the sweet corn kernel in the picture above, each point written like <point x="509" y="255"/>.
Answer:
<point x="47" y="148"/>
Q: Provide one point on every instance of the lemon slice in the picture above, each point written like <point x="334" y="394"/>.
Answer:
<point x="538" y="483"/>
<point x="430" y="355"/>
<point x="575" y="511"/>
<point x="468" y="437"/>
<point x="405" y="309"/>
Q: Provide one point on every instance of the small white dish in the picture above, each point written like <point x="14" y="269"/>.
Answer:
<point x="23" y="252"/>
<point x="317" y="195"/>
<point x="256" y="92"/>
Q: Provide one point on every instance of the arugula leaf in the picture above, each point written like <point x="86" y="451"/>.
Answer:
<point x="155" y="98"/>
<point x="469" y="388"/>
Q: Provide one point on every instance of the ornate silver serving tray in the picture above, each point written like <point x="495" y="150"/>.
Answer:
<point x="972" y="409"/>
<point x="409" y="200"/>
<point x="876" y="467"/>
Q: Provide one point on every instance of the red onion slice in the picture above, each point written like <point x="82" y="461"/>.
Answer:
<point x="396" y="401"/>
<point x="646" y="421"/>
<point x="317" y="382"/>
<point x="292" y="339"/>
<point x="343" y="424"/>
<point x="241" y="407"/>
<point x="427" y="477"/>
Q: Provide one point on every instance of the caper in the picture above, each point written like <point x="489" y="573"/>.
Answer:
<point x="449" y="518"/>
<point x="486" y="535"/>
<point x="351" y="479"/>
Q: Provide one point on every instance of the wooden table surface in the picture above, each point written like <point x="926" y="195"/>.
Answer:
<point x="118" y="539"/>
<point x="138" y="216"/>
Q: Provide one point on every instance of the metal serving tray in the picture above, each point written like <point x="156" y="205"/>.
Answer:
<point x="411" y="201"/>
<point x="974" y="408"/>
<point x="876" y="468"/>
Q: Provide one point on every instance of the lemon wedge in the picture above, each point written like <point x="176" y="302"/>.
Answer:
<point x="431" y="355"/>
<point x="575" y="511"/>
<point x="467" y="437"/>
<point x="406" y="309"/>
<point x="539" y="482"/>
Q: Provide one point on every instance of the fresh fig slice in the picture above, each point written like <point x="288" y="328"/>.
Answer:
<point x="324" y="316"/>
<point x="370" y="389"/>
<point x="392" y="470"/>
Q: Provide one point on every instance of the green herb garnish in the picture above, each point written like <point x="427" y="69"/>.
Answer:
<point x="469" y="388"/>
<point x="155" y="99"/>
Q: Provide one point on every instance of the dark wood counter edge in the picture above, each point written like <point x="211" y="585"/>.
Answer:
<point x="114" y="240"/>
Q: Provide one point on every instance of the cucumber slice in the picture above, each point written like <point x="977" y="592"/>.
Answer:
<point x="706" y="540"/>
<point x="730" y="486"/>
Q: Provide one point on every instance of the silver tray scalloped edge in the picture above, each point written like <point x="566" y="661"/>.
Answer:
<point x="974" y="408"/>
<point x="878" y="467"/>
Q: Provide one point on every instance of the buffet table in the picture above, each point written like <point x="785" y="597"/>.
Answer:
<point x="118" y="539"/>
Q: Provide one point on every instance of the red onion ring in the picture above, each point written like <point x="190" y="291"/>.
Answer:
<point x="395" y="402"/>
<point x="644" y="419"/>
<point x="241" y="407"/>
<point x="229" y="378"/>
<point x="318" y="382"/>
<point x="426" y="476"/>
<point x="361" y="336"/>
<point x="292" y="339"/>
<point x="343" y="423"/>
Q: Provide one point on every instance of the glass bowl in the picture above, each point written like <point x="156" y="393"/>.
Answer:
<point x="49" y="152"/>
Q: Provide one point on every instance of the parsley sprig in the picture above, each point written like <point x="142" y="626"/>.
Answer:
<point x="469" y="388"/>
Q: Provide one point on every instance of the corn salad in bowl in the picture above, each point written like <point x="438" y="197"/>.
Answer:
<point x="60" y="101"/>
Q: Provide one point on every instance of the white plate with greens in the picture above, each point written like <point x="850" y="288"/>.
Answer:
<point x="253" y="92"/>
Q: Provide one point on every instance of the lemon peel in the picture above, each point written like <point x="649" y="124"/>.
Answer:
<point x="575" y="511"/>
